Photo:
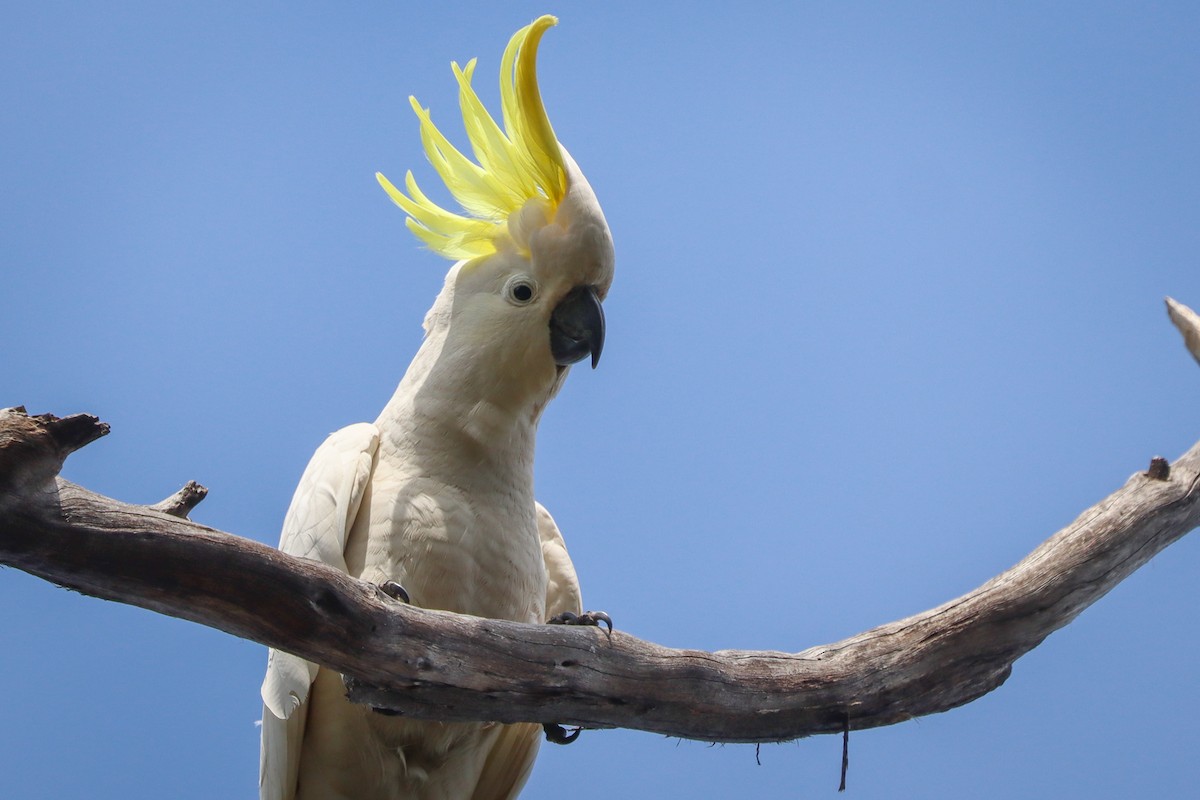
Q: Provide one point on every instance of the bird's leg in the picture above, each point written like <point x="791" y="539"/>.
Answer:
<point x="556" y="733"/>
<point x="399" y="593"/>
<point x="593" y="618"/>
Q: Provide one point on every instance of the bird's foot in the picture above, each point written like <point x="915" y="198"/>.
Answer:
<point x="400" y="594"/>
<point x="395" y="591"/>
<point x="557" y="734"/>
<point x="593" y="618"/>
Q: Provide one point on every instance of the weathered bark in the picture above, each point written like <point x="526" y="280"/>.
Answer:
<point x="445" y="666"/>
<point x="182" y="502"/>
<point x="436" y="665"/>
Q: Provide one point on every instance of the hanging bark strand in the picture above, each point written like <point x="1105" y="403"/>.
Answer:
<point x="436" y="665"/>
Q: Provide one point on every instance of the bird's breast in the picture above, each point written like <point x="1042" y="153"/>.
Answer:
<point x="470" y="549"/>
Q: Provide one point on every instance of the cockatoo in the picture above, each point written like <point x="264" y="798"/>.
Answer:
<point x="437" y="494"/>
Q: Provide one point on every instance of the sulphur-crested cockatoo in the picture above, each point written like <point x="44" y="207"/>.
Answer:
<point x="437" y="494"/>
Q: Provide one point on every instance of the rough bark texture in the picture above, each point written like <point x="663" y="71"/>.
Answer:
<point x="182" y="502"/>
<point x="444" y="666"/>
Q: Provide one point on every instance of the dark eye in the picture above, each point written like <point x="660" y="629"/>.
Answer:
<point x="521" y="291"/>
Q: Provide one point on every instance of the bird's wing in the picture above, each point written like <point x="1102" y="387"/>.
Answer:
<point x="510" y="759"/>
<point x="279" y="758"/>
<point x="322" y="512"/>
<point x="509" y="762"/>
<point x="562" y="585"/>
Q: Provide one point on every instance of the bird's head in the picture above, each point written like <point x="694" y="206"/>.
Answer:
<point x="534" y="253"/>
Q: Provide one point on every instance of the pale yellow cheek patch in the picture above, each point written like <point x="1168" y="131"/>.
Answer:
<point x="518" y="175"/>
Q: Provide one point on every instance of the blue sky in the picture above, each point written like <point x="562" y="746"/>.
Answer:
<point x="888" y="313"/>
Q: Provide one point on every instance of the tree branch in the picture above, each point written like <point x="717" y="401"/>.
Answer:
<point x="182" y="502"/>
<point x="1188" y="323"/>
<point x="436" y="665"/>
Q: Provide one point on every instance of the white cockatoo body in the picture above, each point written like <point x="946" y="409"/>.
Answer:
<point x="437" y="494"/>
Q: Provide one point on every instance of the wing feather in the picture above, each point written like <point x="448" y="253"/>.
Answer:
<point x="562" y="584"/>
<point x="322" y="511"/>
<point x="509" y="762"/>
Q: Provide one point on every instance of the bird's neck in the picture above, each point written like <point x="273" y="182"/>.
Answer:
<point x="447" y="404"/>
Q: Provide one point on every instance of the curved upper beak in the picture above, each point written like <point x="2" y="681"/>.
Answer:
<point x="577" y="327"/>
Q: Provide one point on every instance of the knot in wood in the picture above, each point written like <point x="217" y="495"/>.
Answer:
<point x="1159" y="470"/>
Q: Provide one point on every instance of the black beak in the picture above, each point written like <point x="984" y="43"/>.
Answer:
<point x="577" y="327"/>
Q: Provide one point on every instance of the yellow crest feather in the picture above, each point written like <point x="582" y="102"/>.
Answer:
<point x="515" y="165"/>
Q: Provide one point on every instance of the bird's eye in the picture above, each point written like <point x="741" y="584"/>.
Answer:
<point x="521" y="291"/>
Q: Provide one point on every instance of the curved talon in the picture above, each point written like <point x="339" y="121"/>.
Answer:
<point x="593" y="618"/>
<point x="598" y="617"/>
<point x="395" y="591"/>
<point x="557" y="734"/>
<point x="387" y="712"/>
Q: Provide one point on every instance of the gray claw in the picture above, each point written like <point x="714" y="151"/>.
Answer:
<point x="593" y="618"/>
<point x="387" y="712"/>
<point x="395" y="591"/>
<point x="557" y="734"/>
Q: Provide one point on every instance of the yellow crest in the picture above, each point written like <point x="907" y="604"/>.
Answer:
<point x="520" y="164"/>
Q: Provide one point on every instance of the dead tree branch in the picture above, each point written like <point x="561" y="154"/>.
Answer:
<point x="1188" y="323"/>
<point x="182" y="502"/>
<point x="444" y="666"/>
<point x="435" y="665"/>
